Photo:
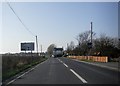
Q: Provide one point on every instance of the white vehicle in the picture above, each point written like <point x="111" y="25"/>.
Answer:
<point x="58" y="52"/>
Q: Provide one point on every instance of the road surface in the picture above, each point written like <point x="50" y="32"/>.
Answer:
<point x="66" y="71"/>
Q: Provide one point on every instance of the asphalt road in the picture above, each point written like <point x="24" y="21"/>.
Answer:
<point x="66" y="71"/>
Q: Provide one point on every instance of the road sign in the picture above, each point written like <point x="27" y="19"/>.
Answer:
<point x="27" y="46"/>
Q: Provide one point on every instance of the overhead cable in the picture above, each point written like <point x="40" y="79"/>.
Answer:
<point x="20" y="19"/>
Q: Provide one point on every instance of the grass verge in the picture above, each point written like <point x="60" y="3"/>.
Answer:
<point x="13" y="71"/>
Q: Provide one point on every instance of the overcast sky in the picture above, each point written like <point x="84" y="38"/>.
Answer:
<point x="55" y="22"/>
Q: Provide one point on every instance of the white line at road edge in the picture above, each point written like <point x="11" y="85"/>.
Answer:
<point x="83" y="80"/>
<point x="11" y="81"/>
<point x="25" y="73"/>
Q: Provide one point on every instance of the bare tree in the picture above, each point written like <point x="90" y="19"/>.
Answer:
<point x="84" y="38"/>
<point x="72" y="45"/>
<point x="116" y="42"/>
<point x="50" y="49"/>
<point x="107" y="46"/>
<point x="70" y="48"/>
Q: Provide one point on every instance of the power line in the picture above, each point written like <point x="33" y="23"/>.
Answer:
<point x="23" y="24"/>
<point x="19" y="19"/>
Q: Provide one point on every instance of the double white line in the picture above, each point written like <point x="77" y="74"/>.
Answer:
<point x="79" y="77"/>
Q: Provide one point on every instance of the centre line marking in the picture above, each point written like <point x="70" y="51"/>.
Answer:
<point x="62" y="62"/>
<point x="65" y="65"/>
<point x="83" y="80"/>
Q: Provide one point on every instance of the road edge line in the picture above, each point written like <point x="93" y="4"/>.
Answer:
<point x="13" y="80"/>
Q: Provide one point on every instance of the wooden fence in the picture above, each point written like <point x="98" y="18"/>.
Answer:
<point x="91" y="58"/>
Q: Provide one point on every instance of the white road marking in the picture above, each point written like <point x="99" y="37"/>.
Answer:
<point x="83" y="80"/>
<point x="11" y="81"/>
<point x="65" y="65"/>
<point x="60" y="60"/>
<point x="21" y="75"/>
<point x="1" y="83"/>
<point x="24" y="74"/>
<point x="16" y="78"/>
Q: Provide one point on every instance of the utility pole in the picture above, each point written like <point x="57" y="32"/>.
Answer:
<point x="67" y="46"/>
<point x="41" y="48"/>
<point x="91" y="32"/>
<point x="67" y="50"/>
<point x="90" y="44"/>
<point x="91" y="40"/>
<point x="36" y="44"/>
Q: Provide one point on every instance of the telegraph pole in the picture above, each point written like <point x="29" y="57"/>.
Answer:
<point x="91" y="39"/>
<point x="67" y="46"/>
<point x="67" y="50"/>
<point x="91" y="32"/>
<point x="90" y="44"/>
<point x="41" y="48"/>
<point x="36" y="44"/>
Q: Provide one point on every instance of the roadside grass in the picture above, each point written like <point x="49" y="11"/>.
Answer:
<point x="13" y="65"/>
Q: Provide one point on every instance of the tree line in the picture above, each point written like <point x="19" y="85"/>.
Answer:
<point x="100" y="46"/>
